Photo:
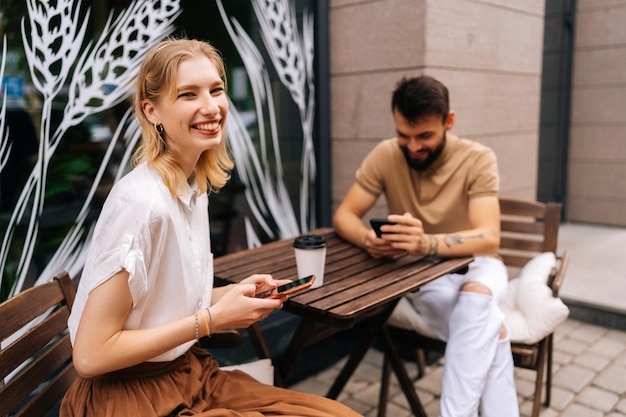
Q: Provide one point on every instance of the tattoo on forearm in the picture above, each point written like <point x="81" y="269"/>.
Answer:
<point x="451" y="240"/>
<point x="433" y="245"/>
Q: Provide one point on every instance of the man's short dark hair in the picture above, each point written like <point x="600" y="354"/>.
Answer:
<point x="419" y="97"/>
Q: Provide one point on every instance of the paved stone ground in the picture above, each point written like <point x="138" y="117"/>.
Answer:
<point x="589" y="378"/>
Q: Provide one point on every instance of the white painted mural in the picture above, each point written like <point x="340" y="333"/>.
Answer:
<point x="89" y="76"/>
<point x="291" y="54"/>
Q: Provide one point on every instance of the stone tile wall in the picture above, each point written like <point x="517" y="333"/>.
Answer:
<point x="597" y="158"/>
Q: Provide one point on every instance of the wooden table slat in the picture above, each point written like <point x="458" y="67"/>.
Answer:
<point x="393" y="289"/>
<point x="276" y="258"/>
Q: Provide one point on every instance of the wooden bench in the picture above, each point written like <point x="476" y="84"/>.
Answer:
<point x="36" y="353"/>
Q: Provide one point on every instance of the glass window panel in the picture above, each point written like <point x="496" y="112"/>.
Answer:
<point x="73" y="158"/>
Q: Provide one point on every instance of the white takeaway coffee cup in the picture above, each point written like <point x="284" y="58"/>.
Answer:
<point x="310" y="251"/>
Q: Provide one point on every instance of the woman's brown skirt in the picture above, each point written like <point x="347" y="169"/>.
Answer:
<point x="192" y="385"/>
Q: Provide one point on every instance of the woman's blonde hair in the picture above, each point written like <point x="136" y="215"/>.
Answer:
<point x="157" y="78"/>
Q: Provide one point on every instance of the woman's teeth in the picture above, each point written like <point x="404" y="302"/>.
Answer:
<point x="208" y="126"/>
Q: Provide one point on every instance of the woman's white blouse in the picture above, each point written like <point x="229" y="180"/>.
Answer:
<point x="162" y="241"/>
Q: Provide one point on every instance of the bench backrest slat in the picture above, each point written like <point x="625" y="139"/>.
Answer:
<point x="37" y="357"/>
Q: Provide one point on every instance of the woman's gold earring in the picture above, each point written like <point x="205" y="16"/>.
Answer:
<point x="159" y="129"/>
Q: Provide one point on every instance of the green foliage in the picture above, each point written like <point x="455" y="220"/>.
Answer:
<point x="63" y="174"/>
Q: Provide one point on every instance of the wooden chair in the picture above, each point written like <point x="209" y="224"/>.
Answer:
<point x="39" y="360"/>
<point x="527" y="229"/>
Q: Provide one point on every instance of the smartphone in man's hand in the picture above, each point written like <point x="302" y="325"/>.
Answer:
<point x="376" y="223"/>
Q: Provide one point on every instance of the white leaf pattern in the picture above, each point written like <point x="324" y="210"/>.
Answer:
<point x="100" y="75"/>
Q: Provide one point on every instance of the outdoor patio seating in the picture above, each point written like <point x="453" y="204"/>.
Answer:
<point x="528" y="246"/>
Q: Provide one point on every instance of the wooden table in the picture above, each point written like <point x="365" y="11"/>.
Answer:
<point x="356" y="288"/>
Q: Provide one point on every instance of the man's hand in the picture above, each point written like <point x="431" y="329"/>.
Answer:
<point x="407" y="235"/>
<point x="379" y="247"/>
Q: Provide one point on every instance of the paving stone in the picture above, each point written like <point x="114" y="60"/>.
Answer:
<point x="369" y="394"/>
<point x="525" y="374"/>
<point x="571" y="346"/>
<point x="359" y="407"/>
<point x="597" y="398"/>
<point x="394" y="387"/>
<point x="425" y="398"/>
<point x="561" y="398"/>
<point x="431" y="382"/>
<point x="526" y="409"/>
<point x="579" y="410"/>
<point x="312" y="386"/>
<point x="573" y="377"/>
<point x="344" y="396"/>
<point x="589" y="379"/>
<point x="433" y="409"/>
<point x="399" y="401"/>
<point x="548" y="412"/>
<point x="587" y="333"/>
<point x="607" y="347"/>
<point x="561" y="357"/>
<point x="368" y="372"/>
<point x="591" y="360"/>
<point x="374" y="357"/>
<point x="618" y="335"/>
<point x="354" y="387"/>
<point x="613" y="378"/>
<point x="525" y="388"/>
<point x="567" y="327"/>
<point x="392" y="411"/>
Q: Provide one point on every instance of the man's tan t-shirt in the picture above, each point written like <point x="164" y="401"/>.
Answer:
<point x="438" y="196"/>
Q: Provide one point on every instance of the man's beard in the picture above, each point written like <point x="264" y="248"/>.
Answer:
<point x="424" y="164"/>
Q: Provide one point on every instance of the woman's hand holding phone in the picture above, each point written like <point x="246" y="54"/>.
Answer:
<point x="288" y="288"/>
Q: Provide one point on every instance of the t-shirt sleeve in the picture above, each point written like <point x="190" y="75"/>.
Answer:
<point x="483" y="177"/>
<point x="371" y="174"/>
<point x="123" y="240"/>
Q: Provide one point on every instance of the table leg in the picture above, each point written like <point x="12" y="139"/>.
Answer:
<point x="403" y="378"/>
<point x="297" y="344"/>
<point x="374" y="326"/>
<point x="258" y="341"/>
<point x="383" y="395"/>
<point x="353" y="361"/>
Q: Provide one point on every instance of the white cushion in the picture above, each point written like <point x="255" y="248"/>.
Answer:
<point x="261" y="370"/>
<point x="530" y="310"/>
<point x="406" y="317"/>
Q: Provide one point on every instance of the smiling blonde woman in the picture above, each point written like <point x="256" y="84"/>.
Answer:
<point x="146" y="293"/>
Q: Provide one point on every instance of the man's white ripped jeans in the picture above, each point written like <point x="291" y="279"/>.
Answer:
<point x="478" y="371"/>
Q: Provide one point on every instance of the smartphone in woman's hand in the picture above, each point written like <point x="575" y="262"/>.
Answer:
<point x="289" y="288"/>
